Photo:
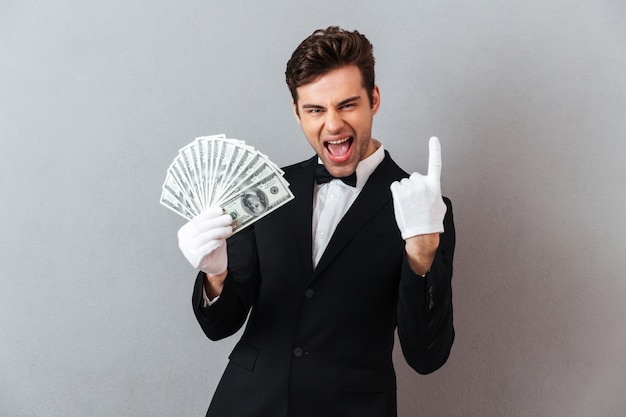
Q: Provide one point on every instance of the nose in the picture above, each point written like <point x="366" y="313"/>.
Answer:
<point x="333" y="123"/>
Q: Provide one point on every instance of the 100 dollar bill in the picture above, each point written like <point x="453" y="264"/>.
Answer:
<point x="257" y="201"/>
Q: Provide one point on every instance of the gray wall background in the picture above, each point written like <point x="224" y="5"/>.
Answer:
<point x="528" y="98"/>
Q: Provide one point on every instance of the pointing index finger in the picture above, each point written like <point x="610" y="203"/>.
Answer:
<point x="434" y="157"/>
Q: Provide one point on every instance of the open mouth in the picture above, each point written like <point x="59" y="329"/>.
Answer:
<point x="339" y="149"/>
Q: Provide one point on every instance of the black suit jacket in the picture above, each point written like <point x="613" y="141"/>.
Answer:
<point x="318" y="342"/>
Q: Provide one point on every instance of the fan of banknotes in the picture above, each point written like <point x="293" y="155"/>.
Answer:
<point x="219" y="171"/>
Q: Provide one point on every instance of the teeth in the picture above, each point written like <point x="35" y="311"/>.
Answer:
<point x="338" y="141"/>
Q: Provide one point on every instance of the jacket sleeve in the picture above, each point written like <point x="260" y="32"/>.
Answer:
<point x="229" y="312"/>
<point x="425" y="326"/>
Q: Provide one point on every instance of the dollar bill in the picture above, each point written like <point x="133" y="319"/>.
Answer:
<point x="181" y="186"/>
<point x="191" y="169"/>
<point x="171" y="202"/>
<point x="257" y="201"/>
<point x="246" y="180"/>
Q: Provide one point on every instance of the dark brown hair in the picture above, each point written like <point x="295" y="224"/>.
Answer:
<point x="326" y="50"/>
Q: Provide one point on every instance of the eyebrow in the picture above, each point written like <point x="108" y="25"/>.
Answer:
<point x="349" y="100"/>
<point x="341" y="103"/>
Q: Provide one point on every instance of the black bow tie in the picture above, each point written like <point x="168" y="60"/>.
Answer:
<point x="322" y="176"/>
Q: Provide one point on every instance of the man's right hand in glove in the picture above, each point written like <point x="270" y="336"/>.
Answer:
<point x="203" y="242"/>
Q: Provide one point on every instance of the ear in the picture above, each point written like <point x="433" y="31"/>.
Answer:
<point x="375" y="99"/>
<point x="294" y="106"/>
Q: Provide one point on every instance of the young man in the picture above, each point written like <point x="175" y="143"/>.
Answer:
<point x="328" y="277"/>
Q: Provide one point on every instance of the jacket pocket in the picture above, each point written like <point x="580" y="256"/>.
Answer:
<point x="369" y="380"/>
<point x="244" y="355"/>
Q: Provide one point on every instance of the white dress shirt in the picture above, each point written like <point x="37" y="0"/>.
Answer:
<point x="332" y="200"/>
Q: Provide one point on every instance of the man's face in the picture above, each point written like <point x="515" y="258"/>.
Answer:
<point x="335" y="114"/>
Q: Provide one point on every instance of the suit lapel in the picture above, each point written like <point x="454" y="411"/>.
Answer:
<point x="373" y="197"/>
<point x="301" y="184"/>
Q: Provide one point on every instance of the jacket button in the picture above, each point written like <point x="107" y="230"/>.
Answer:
<point x="298" y="352"/>
<point x="309" y="293"/>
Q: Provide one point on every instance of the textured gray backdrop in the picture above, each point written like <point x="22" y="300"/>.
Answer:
<point x="528" y="98"/>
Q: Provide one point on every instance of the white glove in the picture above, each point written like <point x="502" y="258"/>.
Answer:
<point x="417" y="200"/>
<point x="203" y="240"/>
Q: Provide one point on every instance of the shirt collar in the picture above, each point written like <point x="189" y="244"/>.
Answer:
<point x="365" y="167"/>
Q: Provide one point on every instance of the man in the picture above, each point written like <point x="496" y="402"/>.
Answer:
<point x="327" y="278"/>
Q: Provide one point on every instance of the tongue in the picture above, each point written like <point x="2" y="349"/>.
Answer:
<point x="340" y="149"/>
